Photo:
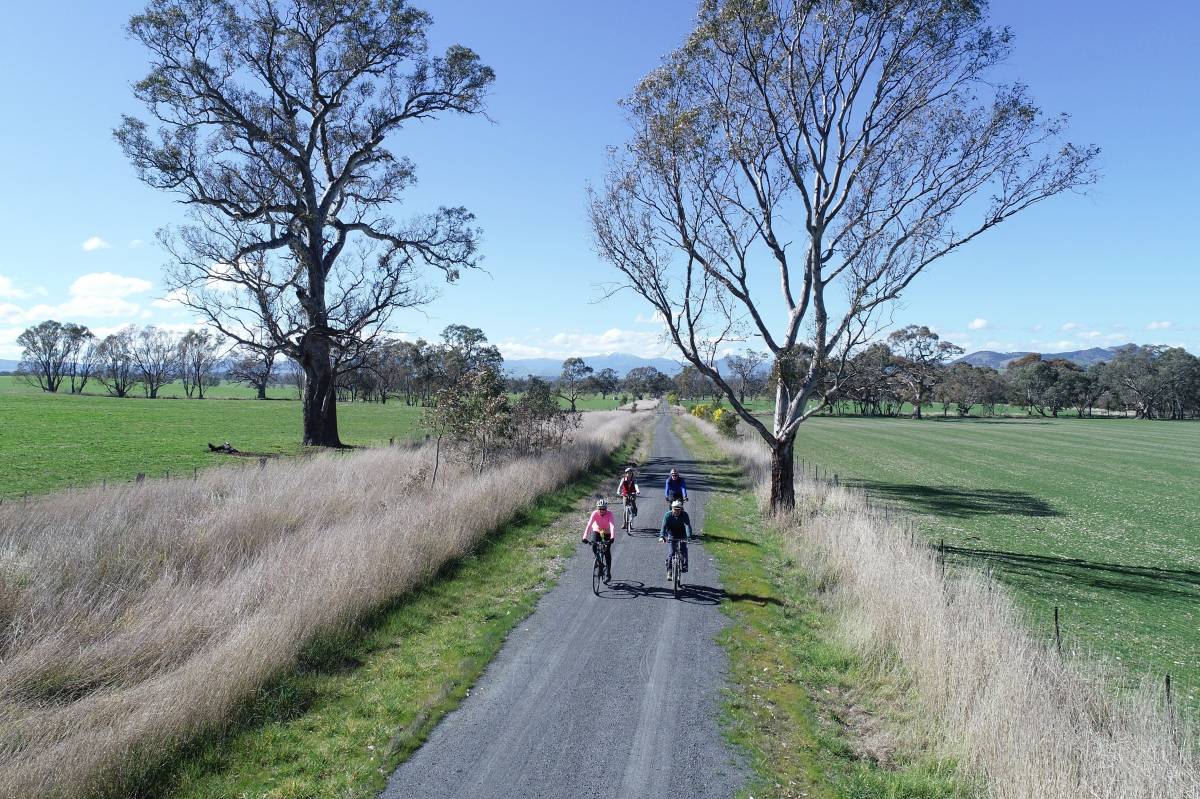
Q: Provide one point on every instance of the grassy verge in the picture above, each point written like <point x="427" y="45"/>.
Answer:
<point x="814" y="720"/>
<point x="361" y="703"/>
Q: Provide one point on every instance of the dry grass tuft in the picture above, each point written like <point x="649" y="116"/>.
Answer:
<point x="137" y="617"/>
<point x="1013" y="712"/>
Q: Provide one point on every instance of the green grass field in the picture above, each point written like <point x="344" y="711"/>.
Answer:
<point x="1098" y="517"/>
<point x="50" y="441"/>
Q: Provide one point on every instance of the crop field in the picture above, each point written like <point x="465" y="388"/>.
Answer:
<point x="1097" y="517"/>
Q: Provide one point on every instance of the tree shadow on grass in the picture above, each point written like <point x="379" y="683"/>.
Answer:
<point x="960" y="502"/>
<point x="1144" y="580"/>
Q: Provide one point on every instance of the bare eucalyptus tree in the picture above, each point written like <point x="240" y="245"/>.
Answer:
<point x="156" y="354"/>
<point x="834" y="148"/>
<point x="115" y="366"/>
<point x="199" y="354"/>
<point x="45" y="354"/>
<point x="274" y="124"/>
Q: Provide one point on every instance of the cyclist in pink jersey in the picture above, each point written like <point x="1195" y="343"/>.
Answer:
<point x="602" y="527"/>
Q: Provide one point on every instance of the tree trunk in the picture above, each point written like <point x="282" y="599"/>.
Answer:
<point x="320" y="394"/>
<point x="262" y="391"/>
<point x="437" y="460"/>
<point x="783" y="472"/>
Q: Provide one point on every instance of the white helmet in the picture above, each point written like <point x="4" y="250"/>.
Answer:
<point x="601" y="504"/>
<point x="676" y="504"/>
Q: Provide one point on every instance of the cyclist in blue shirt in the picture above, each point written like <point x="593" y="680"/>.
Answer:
<point x="676" y="487"/>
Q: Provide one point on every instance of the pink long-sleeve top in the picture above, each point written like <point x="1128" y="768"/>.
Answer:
<point x="602" y="520"/>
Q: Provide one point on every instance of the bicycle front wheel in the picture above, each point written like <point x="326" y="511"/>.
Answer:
<point x="676" y="574"/>
<point x="597" y="574"/>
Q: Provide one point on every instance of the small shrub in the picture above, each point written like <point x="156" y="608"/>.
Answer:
<point x="702" y="411"/>
<point x="672" y="398"/>
<point x="726" y="421"/>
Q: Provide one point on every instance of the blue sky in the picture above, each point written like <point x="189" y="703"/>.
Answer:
<point x="1114" y="266"/>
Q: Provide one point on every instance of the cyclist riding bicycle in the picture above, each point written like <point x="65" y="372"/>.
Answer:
<point x="628" y="488"/>
<point x="676" y="531"/>
<point x="676" y="487"/>
<point x="601" y="526"/>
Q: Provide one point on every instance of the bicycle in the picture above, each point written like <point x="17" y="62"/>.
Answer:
<point x="598" y="567"/>
<point x="629" y="501"/>
<point x="675" y="564"/>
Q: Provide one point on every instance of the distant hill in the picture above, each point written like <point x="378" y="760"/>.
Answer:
<point x="1000" y="360"/>
<point x="618" y="361"/>
<point x="7" y="366"/>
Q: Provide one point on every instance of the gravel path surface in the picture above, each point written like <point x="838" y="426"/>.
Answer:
<point x="609" y="696"/>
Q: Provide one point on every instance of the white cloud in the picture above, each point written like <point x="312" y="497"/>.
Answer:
<point x="108" y="284"/>
<point x="7" y="289"/>
<point x="978" y="324"/>
<point x="647" y="344"/>
<point x="8" y="342"/>
<point x="1072" y="326"/>
<point x="136" y="244"/>
<point x="1158" y="325"/>
<point x="172" y="301"/>
<point x="1063" y="344"/>
<point x="95" y="243"/>
<point x="655" y="318"/>
<point x="96" y="295"/>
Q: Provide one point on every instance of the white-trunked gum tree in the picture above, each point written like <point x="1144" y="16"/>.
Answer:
<point x="834" y="148"/>
<point x="274" y="122"/>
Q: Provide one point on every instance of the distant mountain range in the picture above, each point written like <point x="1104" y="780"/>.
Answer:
<point x="620" y="362"/>
<point x="7" y="366"/>
<point x="1000" y="360"/>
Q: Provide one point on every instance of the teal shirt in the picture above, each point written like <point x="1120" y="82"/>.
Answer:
<point x="677" y="526"/>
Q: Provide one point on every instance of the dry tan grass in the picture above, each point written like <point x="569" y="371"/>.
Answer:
<point x="1027" y="722"/>
<point x="138" y="617"/>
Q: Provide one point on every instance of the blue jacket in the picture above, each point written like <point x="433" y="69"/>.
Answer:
<point x="678" y="486"/>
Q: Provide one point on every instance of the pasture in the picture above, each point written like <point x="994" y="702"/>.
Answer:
<point x="51" y="441"/>
<point x="1097" y="517"/>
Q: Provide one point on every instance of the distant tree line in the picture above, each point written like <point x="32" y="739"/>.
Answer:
<point x="913" y="368"/>
<point x="66" y="356"/>
<point x="54" y="355"/>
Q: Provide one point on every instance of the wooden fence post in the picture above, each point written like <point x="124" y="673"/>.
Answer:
<point x="1057" y="632"/>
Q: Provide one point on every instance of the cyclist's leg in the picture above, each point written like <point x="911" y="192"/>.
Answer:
<point x="608" y="560"/>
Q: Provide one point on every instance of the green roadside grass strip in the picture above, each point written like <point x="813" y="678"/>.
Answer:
<point x="360" y="704"/>
<point x="803" y="708"/>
